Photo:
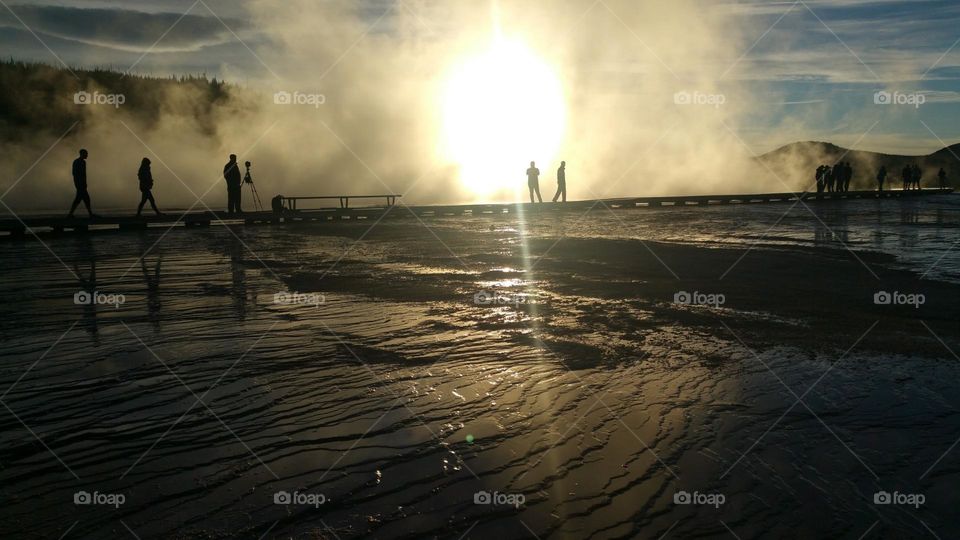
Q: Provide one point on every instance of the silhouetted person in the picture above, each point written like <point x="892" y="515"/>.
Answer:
<point x="231" y="173"/>
<point x="907" y="173"/>
<point x="942" y="176"/>
<point x="837" y="177"/>
<point x="917" y="175"/>
<point x="533" y="181"/>
<point x="847" y="176"/>
<point x="80" y="183"/>
<point x="146" y="185"/>
<point x="561" y="182"/>
<point x="819" y="177"/>
<point x="881" y="176"/>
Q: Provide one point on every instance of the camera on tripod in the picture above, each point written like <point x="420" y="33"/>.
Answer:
<point x="248" y="179"/>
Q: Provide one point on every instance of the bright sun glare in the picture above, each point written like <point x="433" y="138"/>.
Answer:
<point x="501" y="110"/>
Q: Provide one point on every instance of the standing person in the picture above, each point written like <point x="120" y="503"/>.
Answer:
<point x="146" y="185"/>
<point x="917" y="174"/>
<point x="942" y="176"/>
<point x="533" y="181"/>
<point x="847" y="176"/>
<point x="231" y="173"/>
<point x="838" y="177"/>
<point x="881" y="176"/>
<point x="561" y="182"/>
<point x="819" y="178"/>
<point x="80" y="184"/>
<point x="906" y="173"/>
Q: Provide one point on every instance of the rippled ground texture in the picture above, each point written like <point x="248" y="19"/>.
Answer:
<point x="543" y="360"/>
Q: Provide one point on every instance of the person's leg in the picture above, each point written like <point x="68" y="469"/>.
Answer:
<point x="153" y="203"/>
<point x="531" y="193"/>
<point x="86" y="202"/>
<point x="557" y="195"/>
<point x="564" y="194"/>
<point x="539" y="198"/>
<point x="239" y="199"/>
<point x="76" y="202"/>
<point x="143" y="199"/>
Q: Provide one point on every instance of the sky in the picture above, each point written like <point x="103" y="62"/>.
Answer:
<point x="813" y="66"/>
<point x="650" y="88"/>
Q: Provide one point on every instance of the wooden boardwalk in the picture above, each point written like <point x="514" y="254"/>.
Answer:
<point x="16" y="227"/>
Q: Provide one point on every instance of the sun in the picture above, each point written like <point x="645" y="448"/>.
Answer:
<point x="502" y="109"/>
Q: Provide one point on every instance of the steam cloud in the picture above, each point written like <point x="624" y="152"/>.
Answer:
<point x="381" y="70"/>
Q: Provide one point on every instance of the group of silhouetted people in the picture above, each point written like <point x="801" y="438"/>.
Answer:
<point x="911" y="176"/>
<point x="533" y="182"/>
<point x="834" y="179"/>
<point x="231" y="173"/>
<point x="837" y="178"/>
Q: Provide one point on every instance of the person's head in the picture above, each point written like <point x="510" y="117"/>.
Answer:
<point x="563" y="164"/>
<point x="145" y="163"/>
<point x="233" y="158"/>
<point x="532" y="164"/>
<point x="83" y="153"/>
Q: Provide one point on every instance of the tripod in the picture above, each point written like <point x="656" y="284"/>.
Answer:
<point x="248" y="180"/>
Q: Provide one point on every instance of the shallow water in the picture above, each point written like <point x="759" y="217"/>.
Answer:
<point x="397" y="397"/>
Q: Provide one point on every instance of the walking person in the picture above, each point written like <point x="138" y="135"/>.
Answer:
<point x="231" y="173"/>
<point x="881" y="176"/>
<point x="533" y="181"/>
<point x="561" y="182"/>
<point x="146" y="187"/>
<point x="80" y="184"/>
